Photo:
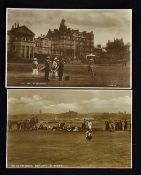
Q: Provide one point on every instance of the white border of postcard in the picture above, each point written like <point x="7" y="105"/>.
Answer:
<point x="44" y="87"/>
<point x="69" y="167"/>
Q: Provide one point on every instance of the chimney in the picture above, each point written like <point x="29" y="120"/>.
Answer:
<point x="15" y="25"/>
<point x="99" y="45"/>
<point x="12" y="27"/>
<point x="18" y="25"/>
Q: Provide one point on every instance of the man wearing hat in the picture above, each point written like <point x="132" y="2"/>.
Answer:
<point x="54" y="67"/>
<point x="47" y="68"/>
<point x="35" y="67"/>
<point x="60" y="69"/>
<point x="91" y="67"/>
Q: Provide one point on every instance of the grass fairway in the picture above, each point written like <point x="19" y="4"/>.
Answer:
<point x="114" y="75"/>
<point x="69" y="149"/>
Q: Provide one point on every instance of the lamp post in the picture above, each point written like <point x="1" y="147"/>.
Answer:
<point x="74" y="44"/>
<point x="74" y="51"/>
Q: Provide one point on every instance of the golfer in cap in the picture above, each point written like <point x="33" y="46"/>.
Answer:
<point x="35" y="67"/>
<point x="91" y="67"/>
<point x="54" y="68"/>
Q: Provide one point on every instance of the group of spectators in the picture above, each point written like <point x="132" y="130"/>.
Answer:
<point x="117" y="125"/>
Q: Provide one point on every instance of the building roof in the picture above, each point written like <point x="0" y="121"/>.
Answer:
<point x="63" y="29"/>
<point x="22" y="30"/>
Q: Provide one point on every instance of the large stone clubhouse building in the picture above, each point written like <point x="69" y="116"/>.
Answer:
<point x="20" y="42"/>
<point x="63" y="41"/>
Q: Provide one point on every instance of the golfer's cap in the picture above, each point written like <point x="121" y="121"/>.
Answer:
<point x="35" y="59"/>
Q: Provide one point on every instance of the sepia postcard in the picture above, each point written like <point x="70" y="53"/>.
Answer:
<point x="69" y="129"/>
<point x="86" y="48"/>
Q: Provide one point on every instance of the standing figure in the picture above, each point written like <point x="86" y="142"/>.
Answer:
<point x="47" y="68"/>
<point x="54" y="68"/>
<point x="35" y="65"/>
<point x="125" y="125"/>
<point x="60" y="69"/>
<point x="112" y="126"/>
<point x="120" y="125"/>
<point x="107" y="125"/>
<point x="89" y="125"/>
<point x="91" y="67"/>
<point x="88" y="135"/>
<point x="84" y="124"/>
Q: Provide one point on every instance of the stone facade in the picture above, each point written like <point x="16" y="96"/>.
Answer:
<point x="69" y="42"/>
<point x="20" y="42"/>
<point x="42" y="45"/>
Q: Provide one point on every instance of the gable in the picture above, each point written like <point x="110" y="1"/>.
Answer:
<point x="23" y="30"/>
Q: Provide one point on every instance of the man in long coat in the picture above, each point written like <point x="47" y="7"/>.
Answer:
<point x="60" y="69"/>
<point x="47" y="68"/>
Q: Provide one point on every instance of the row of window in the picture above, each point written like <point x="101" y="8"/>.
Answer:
<point x="71" y="46"/>
<point x="72" y="43"/>
<point x="80" y="50"/>
<point x="72" y="38"/>
<point x="42" y="45"/>
<point x="18" y="38"/>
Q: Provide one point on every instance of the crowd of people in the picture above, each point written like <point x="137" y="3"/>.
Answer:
<point x="34" y="123"/>
<point x="87" y="125"/>
<point x="117" y="125"/>
<point x="55" y="67"/>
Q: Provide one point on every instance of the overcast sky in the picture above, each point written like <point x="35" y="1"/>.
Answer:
<point x="106" y="24"/>
<point x="58" y="101"/>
